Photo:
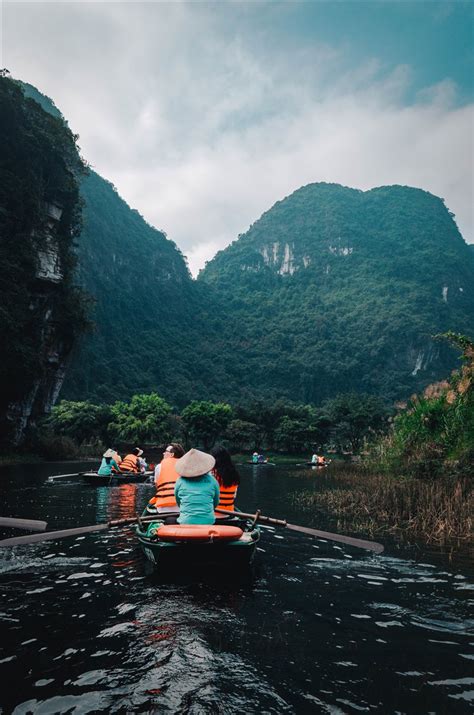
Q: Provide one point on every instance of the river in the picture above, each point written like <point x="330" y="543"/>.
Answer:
<point x="315" y="627"/>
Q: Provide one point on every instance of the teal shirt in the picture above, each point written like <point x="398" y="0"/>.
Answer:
<point x="106" y="469"/>
<point x="197" y="497"/>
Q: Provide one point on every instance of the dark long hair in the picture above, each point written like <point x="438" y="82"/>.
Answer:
<point x="224" y="470"/>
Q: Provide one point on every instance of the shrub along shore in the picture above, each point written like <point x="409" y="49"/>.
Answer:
<point x="418" y="480"/>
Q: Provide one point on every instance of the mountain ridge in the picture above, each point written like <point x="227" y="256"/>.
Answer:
<point x="332" y="289"/>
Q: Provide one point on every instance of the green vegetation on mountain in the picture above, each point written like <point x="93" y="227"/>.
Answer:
<point x="41" y="311"/>
<point x="338" y="290"/>
<point x="332" y="291"/>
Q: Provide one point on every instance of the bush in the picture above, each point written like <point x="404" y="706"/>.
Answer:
<point x="56" y="447"/>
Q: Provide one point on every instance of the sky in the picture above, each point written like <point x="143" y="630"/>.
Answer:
<point x="204" y="114"/>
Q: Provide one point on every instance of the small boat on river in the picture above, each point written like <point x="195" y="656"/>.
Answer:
<point x="261" y="464"/>
<point x="116" y="478"/>
<point x="230" y="542"/>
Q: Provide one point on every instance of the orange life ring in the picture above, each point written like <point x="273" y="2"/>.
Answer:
<point x="198" y="532"/>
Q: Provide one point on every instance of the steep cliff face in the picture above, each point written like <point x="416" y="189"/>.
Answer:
<point x="41" y="311"/>
<point x="153" y="327"/>
<point x="143" y="298"/>
<point x="338" y="289"/>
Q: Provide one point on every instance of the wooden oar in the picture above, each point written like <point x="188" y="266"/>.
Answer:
<point x="360" y="543"/>
<point x="51" y="535"/>
<point x="28" y="524"/>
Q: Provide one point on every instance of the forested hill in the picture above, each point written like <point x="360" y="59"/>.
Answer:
<point x="152" y="324"/>
<point x="332" y="290"/>
<point x="336" y="289"/>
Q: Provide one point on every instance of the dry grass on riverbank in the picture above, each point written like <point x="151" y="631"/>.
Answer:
<point x="436" y="511"/>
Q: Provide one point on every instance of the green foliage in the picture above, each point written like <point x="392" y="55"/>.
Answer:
<point x="354" y="418"/>
<point x="205" y="421"/>
<point x="81" y="421"/>
<point x="337" y="290"/>
<point x="144" y="419"/>
<point x="241" y="434"/>
<point x="435" y="433"/>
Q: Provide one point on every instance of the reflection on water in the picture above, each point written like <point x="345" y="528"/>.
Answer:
<point x="315" y="627"/>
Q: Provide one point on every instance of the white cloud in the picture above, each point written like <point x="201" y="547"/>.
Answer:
<point x="202" y="118"/>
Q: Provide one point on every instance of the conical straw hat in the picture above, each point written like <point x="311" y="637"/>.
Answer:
<point x="194" y="463"/>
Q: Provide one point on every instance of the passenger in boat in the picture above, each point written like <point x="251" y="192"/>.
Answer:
<point x="142" y="464"/>
<point x="165" y="479"/>
<point x="196" y="491"/>
<point x="109" y="465"/>
<point x="255" y="457"/>
<point x="261" y="459"/>
<point x="319" y="460"/>
<point x="130" y="462"/>
<point x="227" y="477"/>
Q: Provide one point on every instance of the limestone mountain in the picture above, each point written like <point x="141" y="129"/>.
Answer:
<point x="337" y="289"/>
<point x="331" y="290"/>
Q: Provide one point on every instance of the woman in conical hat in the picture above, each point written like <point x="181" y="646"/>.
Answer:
<point x="109" y="463"/>
<point x="196" y="491"/>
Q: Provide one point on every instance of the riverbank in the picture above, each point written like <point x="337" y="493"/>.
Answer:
<point x="8" y="460"/>
<point x="434" y="511"/>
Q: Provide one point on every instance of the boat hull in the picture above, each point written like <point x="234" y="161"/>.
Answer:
<point x="114" y="479"/>
<point x="237" y="553"/>
<point x="262" y="464"/>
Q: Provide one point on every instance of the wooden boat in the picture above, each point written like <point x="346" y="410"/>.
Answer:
<point x="315" y="464"/>
<point x="114" y="479"/>
<point x="261" y="464"/>
<point x="230" y="542"/>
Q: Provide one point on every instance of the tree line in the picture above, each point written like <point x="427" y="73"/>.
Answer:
<point x="342" y="423"/>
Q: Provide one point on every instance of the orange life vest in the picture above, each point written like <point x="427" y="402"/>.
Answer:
<point x="227" y="497"/>
<point x="165" y="484"/>
<point x="129" y="464"/>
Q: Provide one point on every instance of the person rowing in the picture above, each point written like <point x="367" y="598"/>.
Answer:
<point x="165" y="479"/>
<point x="109" y="464"/>
<point x="130" y="462"/>
<point x="196" y="491"/>
<point x="319" y="460"/>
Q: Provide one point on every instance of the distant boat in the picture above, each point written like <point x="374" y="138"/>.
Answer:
<point x="261" y="464"/>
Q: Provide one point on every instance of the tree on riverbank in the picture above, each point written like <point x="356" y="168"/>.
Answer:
<point x="282" y="426"/>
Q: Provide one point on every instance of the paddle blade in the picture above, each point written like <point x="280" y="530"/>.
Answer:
<point x="51" y="535"/>
<point x="28" y="524"/>
<point x="359" y="543"/>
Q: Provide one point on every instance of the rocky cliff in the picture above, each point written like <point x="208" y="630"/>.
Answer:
<point x="41" y="310"/>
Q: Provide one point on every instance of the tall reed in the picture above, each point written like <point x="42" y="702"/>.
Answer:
<point x="434" y="510"/>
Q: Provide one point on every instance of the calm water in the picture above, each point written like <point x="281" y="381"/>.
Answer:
<point x="314" y="628"/>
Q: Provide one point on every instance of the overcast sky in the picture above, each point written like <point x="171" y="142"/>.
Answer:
<point x="205" y="114"/>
